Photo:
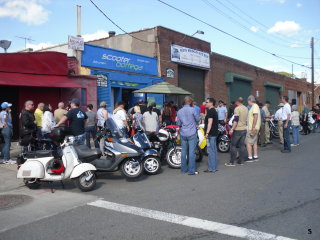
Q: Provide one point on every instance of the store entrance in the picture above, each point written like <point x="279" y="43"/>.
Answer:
<point x="128" y="97"/>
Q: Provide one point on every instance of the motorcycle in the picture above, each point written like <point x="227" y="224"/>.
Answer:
<point x="151" y="161"/>
<point x="41" y="166"/>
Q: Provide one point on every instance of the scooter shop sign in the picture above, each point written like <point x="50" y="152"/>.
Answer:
<point x="190" y="56"/>
<point x="106" y="58"/>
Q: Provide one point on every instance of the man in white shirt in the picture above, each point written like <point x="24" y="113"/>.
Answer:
<point x="286" y="125"/>
<point x="279" y="117"/>
<point x="222" y="113"/>
<point x="120" y="117"/>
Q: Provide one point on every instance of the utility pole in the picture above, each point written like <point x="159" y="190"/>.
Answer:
<point x="78" y="53"/>
<point x="312" y="70"/>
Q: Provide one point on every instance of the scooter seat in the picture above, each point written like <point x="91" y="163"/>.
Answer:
<point x="39" y="154"/>
<point x="86" y="154"/>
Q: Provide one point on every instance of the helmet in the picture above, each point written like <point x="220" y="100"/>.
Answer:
<point x="163" y="135"/>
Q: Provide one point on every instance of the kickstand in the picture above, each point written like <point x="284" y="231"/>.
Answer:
<point x="62" y="185"/>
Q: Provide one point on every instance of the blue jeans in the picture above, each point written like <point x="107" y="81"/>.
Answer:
<point x="7" y="135"/>
<point x="295" y="134"/>
<point x="212" y="152"/>
<point x="286" y="136"/>
<point x="188" y="153"/>
<point x="80" y="139"/>
<point x="91" y="131"/>
<point x="39" y="132"/>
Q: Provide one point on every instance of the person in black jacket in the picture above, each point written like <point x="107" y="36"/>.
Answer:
<point x="27" y="124"/>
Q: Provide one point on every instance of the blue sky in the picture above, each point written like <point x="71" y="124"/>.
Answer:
<point x="283" y="27"/>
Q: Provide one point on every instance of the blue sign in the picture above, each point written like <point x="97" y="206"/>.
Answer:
<point x="106" y="58"/>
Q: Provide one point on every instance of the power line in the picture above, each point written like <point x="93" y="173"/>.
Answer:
<point x="259" y="23"/>
<point x="241" y="25"/>
<point x="230" y="35"/>
<point x="104" y="14"/>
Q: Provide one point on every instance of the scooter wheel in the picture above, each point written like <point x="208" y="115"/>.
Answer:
<point x="174" y="157"/>
<point x="31" y="183"/>
<point x="85" y="184"/>
<point x="223" y="146"/>
<point x="152" y="165"/>
<point x="131" y="168"/>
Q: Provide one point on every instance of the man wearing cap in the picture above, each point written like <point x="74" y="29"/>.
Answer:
<point x="286" y="125"/>
<point x="222" y="113"/>
<point x="279" y="117"/>
<point x="77" y="118"/>
<point x="6" y="126"/>
<point x="254" y="122"/>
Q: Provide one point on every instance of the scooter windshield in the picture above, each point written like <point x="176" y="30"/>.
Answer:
<point x="139" y="125"/>
<point x="113" y="128"/>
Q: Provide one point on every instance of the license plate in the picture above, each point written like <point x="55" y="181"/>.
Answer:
<point x="26" y="173"/>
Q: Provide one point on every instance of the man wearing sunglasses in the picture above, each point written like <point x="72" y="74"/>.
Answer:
<point x="27" y="123"/>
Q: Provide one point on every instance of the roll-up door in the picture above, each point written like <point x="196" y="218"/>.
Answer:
<point x="272" y="94"/>
<point x="239" y="88"/>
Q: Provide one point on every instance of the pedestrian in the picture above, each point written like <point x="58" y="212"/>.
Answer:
<point x="137" y="117"/>
<point x="211" y="130"/>
<point x="91" y="126"/>
<point x="238" y="133"/>
<point x="279" y="118"/>
<point x="102" y="115"/>
<point x="6" y="131"/>
<point x="262" y="131"/>
<point x="286" y="125"/>
<point x="268" y="116"/>
<point x="166" y="115"/>
<point x="187" y="120"/>
<point x="150" y="120"/>
<point x="77" y="119"/>
<point x="231" y="110"/>
<point x="47" y="121"/>
<point x="28" y="128"/>
<point x="305" y="119"/>
<point x="38" y="116"/>
<point x="120" y="118"/>
<point x="197" y="108"/>
<point x="254" y="122"/>
<point x="60" y="112"/>
<point x="174" y="110"/>
<point x="143" y="107"/>
<point x="295" y="126"/>
<point x="222" y="113"/>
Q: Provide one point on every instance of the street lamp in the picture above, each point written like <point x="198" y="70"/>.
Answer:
<point x="198" y="32"/>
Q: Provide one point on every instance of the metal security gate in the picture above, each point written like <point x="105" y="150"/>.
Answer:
<point x="192" y="80"/>
<point x="239" y="88"/>
<point x="272" y="94"/>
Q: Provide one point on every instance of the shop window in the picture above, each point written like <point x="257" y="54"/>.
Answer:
<point x="83" y="96"/>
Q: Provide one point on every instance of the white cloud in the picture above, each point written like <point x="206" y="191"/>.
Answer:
<point x="254" y="29"/>
<point x="28" y="11"/>
<point x="285" y="28"/>
<point x="299" y="5"/>
<point x="39" y="46"/>
<point x="97" y="35"/>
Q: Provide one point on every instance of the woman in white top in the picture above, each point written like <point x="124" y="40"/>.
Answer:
<point x="47" y="121"/>
<point x="295" y="121"/>
<point x="102" y="115"/>
<point x="150" y="120"/>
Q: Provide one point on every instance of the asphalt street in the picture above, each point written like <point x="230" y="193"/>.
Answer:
<point x="279" y="195"/>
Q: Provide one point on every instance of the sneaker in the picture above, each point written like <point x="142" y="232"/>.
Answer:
<point x="293" y="145"/>
<point x="10" y="161"/>
<point x="250" y="159"/>
<point x="2" y="161"/>
<point x="255" y="159"/>
<point x="230" y="165"/>
<point x="195" y="173"/>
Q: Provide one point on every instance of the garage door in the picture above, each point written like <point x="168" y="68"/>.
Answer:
<point x="192" y="80"/>
<point x="272" y="94"/>
<point x="239" y="88"/>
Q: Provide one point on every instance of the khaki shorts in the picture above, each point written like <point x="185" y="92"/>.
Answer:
<point x="251" y="139"/>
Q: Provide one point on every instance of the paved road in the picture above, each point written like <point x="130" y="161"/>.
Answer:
<point x="279" y="196"/>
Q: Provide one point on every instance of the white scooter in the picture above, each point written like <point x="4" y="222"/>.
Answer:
<point x="42" y="166"/>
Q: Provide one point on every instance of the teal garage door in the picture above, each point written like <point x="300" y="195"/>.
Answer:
<point x="239" y="88"/>
<point x="272" y="94"/>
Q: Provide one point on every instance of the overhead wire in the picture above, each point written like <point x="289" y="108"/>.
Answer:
<point x="104" y="14"/>
<point x="230" y="35"/>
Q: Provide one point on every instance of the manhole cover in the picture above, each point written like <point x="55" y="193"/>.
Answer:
<point x="13" y="200"/>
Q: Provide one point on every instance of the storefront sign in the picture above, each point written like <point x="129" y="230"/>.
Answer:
<point x="106" y="58"/>
<point x="75" y="43"/>
<point x="190" y="56"/>
<point x="170" y="73"/>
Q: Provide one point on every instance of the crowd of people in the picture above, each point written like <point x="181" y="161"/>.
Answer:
<point x="248" y="120"/>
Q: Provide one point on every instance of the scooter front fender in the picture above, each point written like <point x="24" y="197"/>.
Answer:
<point x="151" y="152"/>
<point x="81" y="168"/>
<point x="31" y="169"/>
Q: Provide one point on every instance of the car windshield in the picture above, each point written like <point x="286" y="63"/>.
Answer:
<point x="113" y="127"/>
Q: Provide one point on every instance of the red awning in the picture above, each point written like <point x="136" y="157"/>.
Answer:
<point x="33" y="80"/>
